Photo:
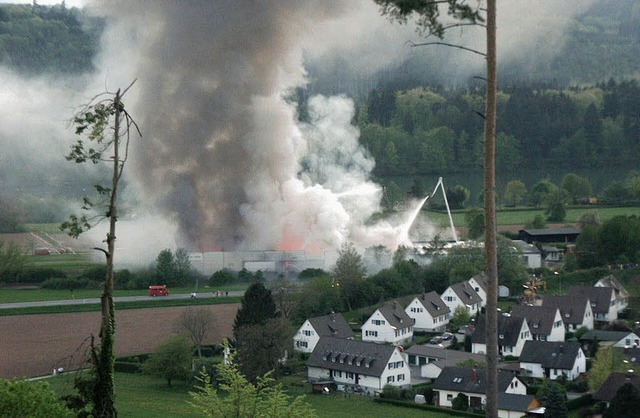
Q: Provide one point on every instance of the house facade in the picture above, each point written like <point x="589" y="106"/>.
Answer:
<point x="428" y="312"/>
<point x="552" y="360"/>
<point x="354" y="363"/>
<point x="603" y="301"/>
<point x="545" y="323"/>
<point x="621" y="294"/>
<point x="575" y="311"/>
<point x="308" y="335"/>
<point x="512" y="334"/>
<point x="388" y="324"/>
<point x="462" y="294"/>
<point x="529" y="253"/>
<point x="472" y="382"/>
<point x="480" y="283"/>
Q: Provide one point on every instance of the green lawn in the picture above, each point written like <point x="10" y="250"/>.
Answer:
<point x="524" y="215"/>
<point x="139" y="396"/>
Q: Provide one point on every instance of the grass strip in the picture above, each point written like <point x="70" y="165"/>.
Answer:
<point x="91" y="307"/>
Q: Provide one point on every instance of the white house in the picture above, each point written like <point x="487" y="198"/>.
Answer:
<point x="332" y="325"/>
<point x="473" y="383"/>
<point x="512" y="334"/>
<point x="531" y="255"/>
<point x="428" y="312"/>
<point x="352" y="363"/>
<point x="462" y="294"/>
<point x="622" y="296"/>
<point x="603" y="301"/>
<point x="545" y="322"/>
<point x="619" y="339"/>
<point x="480" y="283"/>
<point x="432" y="360"/>
<point x="553" y="359"/>
<point x="388" y="324"/>
<point x="575" y="311"/>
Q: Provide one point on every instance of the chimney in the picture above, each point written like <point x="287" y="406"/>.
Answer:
<point x="474" y="375"/>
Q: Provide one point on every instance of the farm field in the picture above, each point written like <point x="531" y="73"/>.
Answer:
<point x="523" y="215"/>
<point x="32" y="345"/>
<point x="140" y="396"/>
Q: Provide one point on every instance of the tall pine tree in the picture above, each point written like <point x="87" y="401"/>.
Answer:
<point x="256" y="308"/>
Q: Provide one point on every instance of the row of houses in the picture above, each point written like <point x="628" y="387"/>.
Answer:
<point x="535" y="334"/>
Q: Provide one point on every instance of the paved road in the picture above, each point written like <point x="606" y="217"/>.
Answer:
<point x="117" y="299"/>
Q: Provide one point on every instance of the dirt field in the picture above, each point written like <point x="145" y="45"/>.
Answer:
<point x="32" y="345"/>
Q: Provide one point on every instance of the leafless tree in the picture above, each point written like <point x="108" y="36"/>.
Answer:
<point x="197" y="322"/>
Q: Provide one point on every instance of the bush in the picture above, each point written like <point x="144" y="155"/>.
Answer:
<point x="127" y="367"/>
<point x="221" y="278"/>
<point x="39" y="275"/>
<point x="390" y="392"/>
<point x="67" y="284"/>
<point x="580" y="402"/>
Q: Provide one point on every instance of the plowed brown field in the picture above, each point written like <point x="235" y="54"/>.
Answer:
<point x="32" y="345"/>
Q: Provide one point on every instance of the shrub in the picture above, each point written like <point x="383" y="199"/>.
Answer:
<point x="60" y="284"/>
<point x="391" y="392"/>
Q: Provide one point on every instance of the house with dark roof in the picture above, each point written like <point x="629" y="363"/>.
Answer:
<point x="511" y="405"/>
<point x="529" y="253"/>
<point x="575" y="311"/>
<point x="603" y="301"/>
<point x="533" y="236"/>
<point x="332" y="325"/>
<point x="388" y="324"/>
<point x="619" y="339"/>
<point x="621" y="294"/>
<point x="473" y="383"/>
<point x="512" y="333"/>
<point x="354" y="363"/>
<point x="480" y="283"/>
<point x="553" y="359"/>
<point x="545" y="323"/>
<point x="431" y="360"/>
<point x="429" y="312"/>
<point x="614" y="382"/>
<point x="462" y="294"/>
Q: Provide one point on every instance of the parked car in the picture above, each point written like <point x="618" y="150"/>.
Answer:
<point x="465" y="329"/>
<point x="447" y="336"/>
<point x="435" y="340"/>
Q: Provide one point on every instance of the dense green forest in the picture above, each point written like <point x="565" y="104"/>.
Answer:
<point x="55" y="39"/>
<point x="428" y="130"/>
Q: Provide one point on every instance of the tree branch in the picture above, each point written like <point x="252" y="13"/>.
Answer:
<point x="413" y="44"/>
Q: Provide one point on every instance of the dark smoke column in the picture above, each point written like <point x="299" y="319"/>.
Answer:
<point x="221" y="143"/>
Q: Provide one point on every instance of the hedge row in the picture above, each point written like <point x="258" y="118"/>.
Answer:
<point x="424" y="407"/>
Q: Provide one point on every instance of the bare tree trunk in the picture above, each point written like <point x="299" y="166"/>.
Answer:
<point x="491" y="409"/>
<point x="104" y="390"/>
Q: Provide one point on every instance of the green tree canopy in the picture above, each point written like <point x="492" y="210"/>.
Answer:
<point x="576" y="187"/>
<point x="256" y="308"/>
<point x="19" y="399"/>
<point x="514" y="193"/>
<point x="171" y="360"/>
<point x="236" y="396"/>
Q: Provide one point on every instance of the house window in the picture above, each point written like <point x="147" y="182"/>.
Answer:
<point x="390" y="379"/>
<point x="400" y="377"/>
<point x="449" y="298"/>
<point x="378" y="322"/>
<point x="371" y="333"/>
<point x="307" y="332"/>
<point x="337" y="373"/>
<point x="449" y="397"/>
<point x="302" y="344"/>
<point x="349" y="375"/>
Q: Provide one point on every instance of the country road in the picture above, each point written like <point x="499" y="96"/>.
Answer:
<point x="117" y="299"/>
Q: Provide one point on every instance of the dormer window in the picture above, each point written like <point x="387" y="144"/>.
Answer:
<point x="535" y="325"/>
<point x="501" y="336"/>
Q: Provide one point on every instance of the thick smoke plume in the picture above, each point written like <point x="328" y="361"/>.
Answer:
<point x="223" y="155"/>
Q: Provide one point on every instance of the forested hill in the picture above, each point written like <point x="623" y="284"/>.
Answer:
<point x="37" y="39"/>
<point x="423" y="131"/>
